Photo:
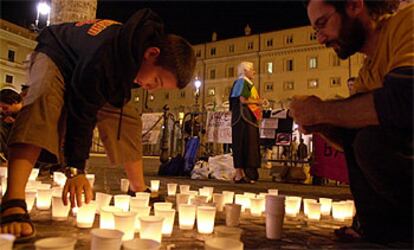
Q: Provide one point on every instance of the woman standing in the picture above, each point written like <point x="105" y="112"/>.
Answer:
<point x="246" y="114"/>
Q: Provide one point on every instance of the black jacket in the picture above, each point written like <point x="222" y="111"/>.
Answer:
<point x="99" y="60"/>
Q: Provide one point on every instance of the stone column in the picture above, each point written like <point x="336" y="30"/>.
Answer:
<point x="63" y="11"/>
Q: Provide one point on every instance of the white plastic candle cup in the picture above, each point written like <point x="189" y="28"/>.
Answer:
<point x="102" y="200"/>
<point x="256" y="206"/>
<point x="168" y="223"/>
<point x="204" y="192"/>
<point x="57" y="191"/>
<point x="155" y="185"/>
<point x="242" y="200"/>
<point x="199" y="200"/>
<point x="91" y="179"/>
<point x="205" y="219"/>
<point x="275" y="212"/>
<point x="124" y="185"/>
<point x="33" y="174"/>
<point x="3" y="181"/>
<point x="273" y="191"/>
<point x="86" y="215"/>
<point x="106" y="239"/>
<point x="171" y="189"/>
<point x="141" y="211"/>
<point x="56" y="243"/>
<point x="338" y="210"/>
<point x="3" y="172"/>
<point x="139" y="202"/>
<point x="6" y="241"/>
<point x="218" y="200"/>
<point x="184" y="188"/>
<point x="60" y="212"/>
<point x="75" y="209"/>
<point x="162" y="205"/>
<point x="228" y="232"/>
<point x="141" y="244"/>
<point x="292" y="205"/>
<point x="232" y="214"/>
<point x="192" y="195"/>
<point x="106" y="218"/>
<point x="151" y="228"/>
<point x="122" y="201"/>
<point x="326" y="204"/>
<point x="143" y="195"/>
<point x="44" y="198"/>
<point x="59" y="178"/>
<point x="186" y="216"/>
<point x="305" y="205"/>
<point x="181" y="199"/>
<point x="220" y="243"/>
<point x="228" y="197"/>
<point x="125" y="222"/>
<point x="30" y="195"/>
<point x="314" y="210"/>
<point x="250" y="195"/>
<point x="349" y="209"/>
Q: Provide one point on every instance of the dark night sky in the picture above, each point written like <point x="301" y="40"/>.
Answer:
<point x="195" y="20"/>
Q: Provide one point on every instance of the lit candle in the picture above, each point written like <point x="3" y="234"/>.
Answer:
<point x="122" y="201"/>
<point x="205" y="219"/>
<point x="181" y="199"/>
<point x="139" y="202"/>
<point x="3" y="172"/>
<point x="256" y="206"/>
<point x="314" y="210"/>
<point x="91" y="179"/>
<point x="60" y="212"/>
<point x="305" y="205"/>
<point x="124" y="185"/>
<point x="155" y="185"/>
<point x="125" y="222"/>
<point x="326" y="204"/>
<point x="208" y="192"/>
<point x="218" y="200"/>
<point x="30" y="195"/>
<point x="3" y="181"/>
<point x="151" y="228"/>
<point x="273" y="191"/>
<point x="199" y="200"/>
<point x="86" y="215"/>
<point x="44" y="198"/>
<point x="228" y="197"/>
<point x="59" y="178"/>
<point x="349" y="209"/>
<point x="102" y="200"/>
<point x="292" y="205"/>
<point x="184" y="188"/>
<point x="186" y="216"/>
<point x="243" y="201"/>
<point x="106" y="218"/>
<point x="168" y="223"/>
<point x="141" y="211"/>
<point x="143" y="195"/>
<point x="33" y="174"/>
<point x="338" y="210"/>
<point x="171" y="189"/>
<point x="162" y="205"/>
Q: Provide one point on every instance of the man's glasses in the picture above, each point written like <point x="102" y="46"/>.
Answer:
<point x="322" y="21"/>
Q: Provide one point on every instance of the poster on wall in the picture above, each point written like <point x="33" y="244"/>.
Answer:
<point x="219" y="127"/>
<point x="283" y="139"/>
<point x="148" y="122"/>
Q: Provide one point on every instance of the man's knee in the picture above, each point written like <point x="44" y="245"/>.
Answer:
<point x="368" y="143"/>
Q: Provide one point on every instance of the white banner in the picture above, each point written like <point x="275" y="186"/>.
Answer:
<point x="219" y="127"/>
<point x="148" y="121"/>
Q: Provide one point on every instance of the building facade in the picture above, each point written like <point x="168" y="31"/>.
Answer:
<point x="16" y="43"/>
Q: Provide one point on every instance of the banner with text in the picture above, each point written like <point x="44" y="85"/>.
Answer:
<point x="219" y="127"/>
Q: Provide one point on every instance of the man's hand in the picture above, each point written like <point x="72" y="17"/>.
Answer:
<point x="306" y="111"/>
<point x="75" y="187"/>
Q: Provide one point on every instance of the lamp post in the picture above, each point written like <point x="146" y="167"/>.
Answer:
<point x="43" y="10"/>
<point x="197" y="85"/>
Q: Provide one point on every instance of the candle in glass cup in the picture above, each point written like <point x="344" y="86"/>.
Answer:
<point x="186" y="216"/>
<point x="205" y="219"/>
<point x="155" y="185"/>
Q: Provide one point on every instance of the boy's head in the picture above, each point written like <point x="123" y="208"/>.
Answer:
<point x="10" y="101"/>
<point x="168" y="63"/>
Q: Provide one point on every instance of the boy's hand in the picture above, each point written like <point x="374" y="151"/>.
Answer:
<point x="75" y="187"/>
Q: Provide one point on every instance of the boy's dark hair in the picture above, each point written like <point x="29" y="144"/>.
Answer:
<point x="9" y="96"/>
<point x="177" y="56"/>
<point x="376" y="8"/>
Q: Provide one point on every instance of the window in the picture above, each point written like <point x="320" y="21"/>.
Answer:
<point x="136" y="99"/>
<point x="250" y="45"/>
<point x="269" y="86"/>
<point x="167" y="96"/>
<point x="313" y="36"/>
<point x="152" y="97"/>
<point x="269" y="43"/>
<point x="289" y="39"/>
<point x="289" y="85"/>
<point x="182" y="93"/>
<point x="231" y="48"/>
<point x="213" y="51"/>
<point x="335" y="60"/>
<point x="9" y="78"/>
<point x="212" y="74"/>
<point x="211" y="92"/>
<point x="230" y="71"/>
<point x="289" y="65"/>
<point x="335" y="82"/>
<point x="198" y="54"/>
<point x="269" y="68"/>
<point x="313" y="84"/>
<point x="313" y="62"/>
<point x="11" y="55"/>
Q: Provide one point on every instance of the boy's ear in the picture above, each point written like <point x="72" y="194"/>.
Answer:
<point x="151" y="53"/>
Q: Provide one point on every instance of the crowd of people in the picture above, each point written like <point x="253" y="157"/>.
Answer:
<point x="81" y="76"/>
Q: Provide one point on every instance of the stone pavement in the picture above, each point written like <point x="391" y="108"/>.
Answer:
<point x="298" y="233"/>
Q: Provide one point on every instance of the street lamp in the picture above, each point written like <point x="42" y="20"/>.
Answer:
<point x="197" y="85"/>
<point x="43" y="10"/>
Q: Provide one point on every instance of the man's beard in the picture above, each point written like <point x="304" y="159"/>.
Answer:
<point x="351" y="38"/>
